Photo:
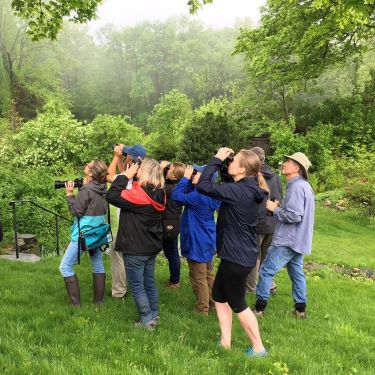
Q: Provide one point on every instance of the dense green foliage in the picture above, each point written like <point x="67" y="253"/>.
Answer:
<point x="45" y="18"/>
<point x="308" y="85"/>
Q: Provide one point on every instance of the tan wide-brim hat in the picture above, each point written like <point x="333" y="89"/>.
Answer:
<point x="302" y="160"/>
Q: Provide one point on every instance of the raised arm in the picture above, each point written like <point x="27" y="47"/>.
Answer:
<point x="116" y="162"/>
<point x="226" y="192"/>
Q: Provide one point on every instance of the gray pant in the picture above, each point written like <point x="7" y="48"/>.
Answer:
<point x="264" y="241"/>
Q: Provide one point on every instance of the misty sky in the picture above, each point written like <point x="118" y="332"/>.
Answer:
<point x="222" y="13"/>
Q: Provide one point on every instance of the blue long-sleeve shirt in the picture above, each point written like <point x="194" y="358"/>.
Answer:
<point x="295" y="217"/>
<point x="198" y="228"/>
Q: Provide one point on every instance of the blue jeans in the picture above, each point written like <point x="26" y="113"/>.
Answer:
<point x="276" y="259"/>
<point x="170" y="248"/>
<point x="70" y="259"/>
<point x="140" y="275"/>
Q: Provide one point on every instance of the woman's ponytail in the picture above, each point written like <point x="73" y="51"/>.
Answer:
<point x="262" y="183"/>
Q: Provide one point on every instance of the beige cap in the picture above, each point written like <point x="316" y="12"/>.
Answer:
<point x="302" y="160"/>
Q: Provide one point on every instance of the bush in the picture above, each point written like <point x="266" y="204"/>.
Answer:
<point x="35" y="184"/>
<point x="106" y="130"/>
<point x="167" y="123"/>
<point x="360" y="178"/>
<point x="210" y="129"/>
<point x="284" y="140"/>
<point x="53" y="138"/>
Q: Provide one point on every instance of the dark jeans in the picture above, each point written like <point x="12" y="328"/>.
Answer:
<point x="170" y="248"/>
<point x="141" y="281"/>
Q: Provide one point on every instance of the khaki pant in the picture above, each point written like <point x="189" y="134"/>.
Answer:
<point x="118" y="274"/>
<point x="201" y="279"/>
<point x="264" y="241"/>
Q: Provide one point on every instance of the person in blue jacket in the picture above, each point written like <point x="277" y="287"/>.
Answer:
<point x="198" y="236"/>
<point x="237" y="245"/>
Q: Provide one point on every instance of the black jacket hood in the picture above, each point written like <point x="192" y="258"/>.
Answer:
<point x="267" y="172"/>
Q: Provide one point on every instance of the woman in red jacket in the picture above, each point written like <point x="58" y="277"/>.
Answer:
<point x="140" y="233"/>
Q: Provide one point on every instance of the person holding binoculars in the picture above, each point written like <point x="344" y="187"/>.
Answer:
<point x="140" y="233"/>
<point x="173" y="172"/>
<point x="89" y="207"/>
<point x="198" y="236"/>
<point x="122" y="156"/>
<point x="236" y="242"/>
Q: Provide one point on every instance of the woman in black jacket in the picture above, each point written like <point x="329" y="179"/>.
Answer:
<point x="140" y="233"/>
<point x="236" y="240"/>
<point x="173" y="172"/>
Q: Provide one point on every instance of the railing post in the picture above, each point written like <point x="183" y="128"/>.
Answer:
<point x="57" y="236"/>
<point x="15" y="228"/>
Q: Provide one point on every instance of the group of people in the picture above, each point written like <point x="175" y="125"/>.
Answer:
<point x="159" y="201"/>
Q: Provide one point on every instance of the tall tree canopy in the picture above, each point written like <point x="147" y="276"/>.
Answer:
<point x="45" y="18"/>
<point x="299" y="39"/>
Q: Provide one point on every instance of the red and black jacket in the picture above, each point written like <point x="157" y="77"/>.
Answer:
<point x="140" y="229"/>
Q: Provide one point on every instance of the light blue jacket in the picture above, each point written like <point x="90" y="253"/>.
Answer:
<point x="198" y="228"/>
<point x="295" y="217"/>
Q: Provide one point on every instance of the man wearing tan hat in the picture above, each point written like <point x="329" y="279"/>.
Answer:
<point x="293" y="234"/>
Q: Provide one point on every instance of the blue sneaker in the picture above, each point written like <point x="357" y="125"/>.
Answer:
<point x="251" y="353"/>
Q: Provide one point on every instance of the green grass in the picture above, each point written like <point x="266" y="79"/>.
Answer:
<point x="41" y="334"/>
<point x="343" y="238"/>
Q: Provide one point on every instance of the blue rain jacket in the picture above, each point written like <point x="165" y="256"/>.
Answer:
<point x="198" y="228"/>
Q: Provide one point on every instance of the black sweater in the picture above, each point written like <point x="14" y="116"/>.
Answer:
<point x="140" y="229"/>
<point x="236" y="224"/>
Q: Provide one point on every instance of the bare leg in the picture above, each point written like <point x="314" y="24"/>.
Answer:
<point x="250" y="324"/>
<point x="224" y="314"/>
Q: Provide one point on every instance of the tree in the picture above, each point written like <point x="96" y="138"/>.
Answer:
<point x="167" y="122"/>
<point x="45" y="18"/>
<point x="210" y="128"/>
<point x="299" y="39"/>
<point x="53" y="138"/>
<point x="107" y="130"/>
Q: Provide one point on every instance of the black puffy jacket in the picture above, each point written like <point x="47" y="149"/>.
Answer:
<point x="140" y="229"/>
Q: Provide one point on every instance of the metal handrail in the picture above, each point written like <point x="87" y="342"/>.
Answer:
<point x="57" y="216"/>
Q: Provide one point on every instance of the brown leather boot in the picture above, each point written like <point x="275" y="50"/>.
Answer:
<point x="98" y="282"/>
<point x="72" y="287"/>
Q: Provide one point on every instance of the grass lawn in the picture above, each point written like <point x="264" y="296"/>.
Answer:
<point x="41" y="334"/>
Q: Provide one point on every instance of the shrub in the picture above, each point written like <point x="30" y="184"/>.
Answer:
<point x="167" y="122"/>
<point x="35" y="184"/>
<point x="54" y="137"/>
<point x="284" y="140"/>
<point x="360" y="178"/>
<point x="106" y="130"/>
<point x="209" y="129"/>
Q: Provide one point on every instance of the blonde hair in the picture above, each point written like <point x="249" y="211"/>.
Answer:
<point x="178" y="170"/>
<point x="252" y="164"/>
<point x="150" y="173"/>
<point x="99" y="171"/>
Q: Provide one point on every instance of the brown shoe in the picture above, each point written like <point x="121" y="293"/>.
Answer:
<point x="299" y="314"/>
<point x="258" y="314"/>
<point x="173" y="285"/>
